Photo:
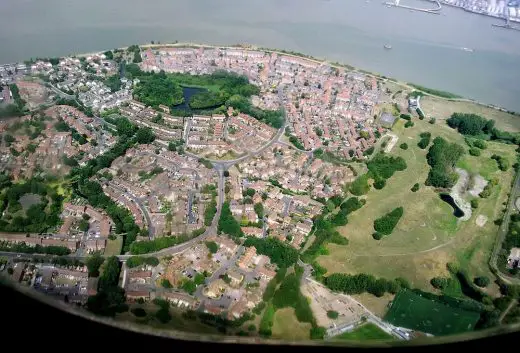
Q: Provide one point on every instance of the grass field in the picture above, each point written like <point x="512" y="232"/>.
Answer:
<point x="287" y="326"/>
<point x="428" y="236"/>
<point x="413" y="311"/>
<point x="365" y="332"/>
<point x="114" y="246"/>
<point x="442" y="109"/>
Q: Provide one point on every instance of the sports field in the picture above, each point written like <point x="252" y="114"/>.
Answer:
<point x="428" y="236"/>
<point x="365" y="332"/>
<point x="410" y="310"/>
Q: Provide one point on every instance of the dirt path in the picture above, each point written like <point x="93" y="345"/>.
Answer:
<point x="509" y="307"/>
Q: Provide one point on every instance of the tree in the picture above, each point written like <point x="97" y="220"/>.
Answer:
<point x="163" y="315"/>
<point x="481" y="281"/>
<point x="139" y="312"/>
<point x="474" y="203"/>
<point x="145" y="135"/>
<point x="318" y="333"/>
<point x="212" y="247"/>
<point x="83" y="225"/>
<point x="165" y="283"/>
<point x="403" y="146"/>
<point x="332" y="314"/>
<point x="226" y="173"/>
<point x="439" y="282"/>
<point x="93" y="263"/>
<point x="415" y="187"/>
<point x="110" y="276"/>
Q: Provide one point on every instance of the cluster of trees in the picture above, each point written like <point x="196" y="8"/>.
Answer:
<point x="211" y="208"/>
<point x="123" y="219"/>
<point x="110" y="298"/>
<point x="157" y="89"/>
<point x="471" y="124"/>
<point x="475" y="125"/>
<point x="350" y="205"/>
<point x="212" y="246"/>
<point x="503" y="163"/>
<point x="38" y="217"/>
<point x="360" y="185"/>
<point x="488" y="189"/>
<point x="228" y="224"/>
<point x="383" y="166"/>
<point x="19" y="102"/>
<point x="129" y="135"/>
<point x="36" y="249"/>
<point x="280" y="253"/>
<point x="274" y="118"/>
<point x="296" y="142"/>
<point x="94" y="263"/>
<point x="385" y="225"/>
<point x="148" y="246"/>
<point x="361" y="283"/>
<point x="425" y="140"/>
<point x="113" y="82"/>
<point x="289" y="295"/>
<point x="324" y="231"/>
<point x="442" y="158"/>
<point x="136" y="261"/>
<point x="176" y="146"/>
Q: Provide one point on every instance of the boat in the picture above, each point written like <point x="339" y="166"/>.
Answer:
<point x="467" y="49"/>
<point x="388" y="46"/>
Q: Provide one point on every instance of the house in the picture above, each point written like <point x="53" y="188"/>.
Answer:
<point x="180" y="299"/>
<point x="138" y="294"/>
<point x="140" y="277"/>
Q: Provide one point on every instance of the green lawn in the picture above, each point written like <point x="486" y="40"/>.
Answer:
<point x="428" y="235"/>
<point x="114" y="246"/>
<point x="413" y="311"/>
<point x="286" y="326"/>
<point x="365" y="332"/>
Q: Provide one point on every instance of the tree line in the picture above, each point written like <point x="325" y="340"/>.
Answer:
<point x="385" y="225"/>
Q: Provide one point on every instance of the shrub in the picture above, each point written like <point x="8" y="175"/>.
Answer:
<point x="379" y="184"/>
<point x="481" y="281"/>
<point x="409" y="124"/>
<point x="163" y="315"/>
<point x="332" y="314"/>
<point x="377" y="236"/>
<point x="439" y="282"/>
<point x="165" y="283"/>
<point x="432" y="121"/>
<point x="474" y="203"/>
<point x="415" y="187"/>
<point x="474" y="151"/>
<point x="403" y="146"/>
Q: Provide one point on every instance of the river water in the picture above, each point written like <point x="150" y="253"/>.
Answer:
<point x="426" y="48"/>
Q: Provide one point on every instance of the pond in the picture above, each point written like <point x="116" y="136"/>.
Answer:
<point x="457" y="212"/>
<point x="188" y="92"/>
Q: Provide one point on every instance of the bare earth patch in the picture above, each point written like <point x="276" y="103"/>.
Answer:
<point x="479" y="183"/>
<point x="481" y="220"/>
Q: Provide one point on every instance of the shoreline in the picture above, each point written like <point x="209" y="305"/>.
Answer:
<point x="318" y="60"/>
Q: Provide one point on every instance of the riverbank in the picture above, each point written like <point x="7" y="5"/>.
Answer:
<point x="318" y="60"/>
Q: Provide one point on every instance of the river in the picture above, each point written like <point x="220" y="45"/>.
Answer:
<point x="426" y="48"/>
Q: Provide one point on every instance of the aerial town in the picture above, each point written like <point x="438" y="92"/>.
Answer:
<point x="212" y="182"/>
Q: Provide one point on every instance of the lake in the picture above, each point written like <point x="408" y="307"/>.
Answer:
<point x="457" y="212"/>
<point x="426" y="48"/>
